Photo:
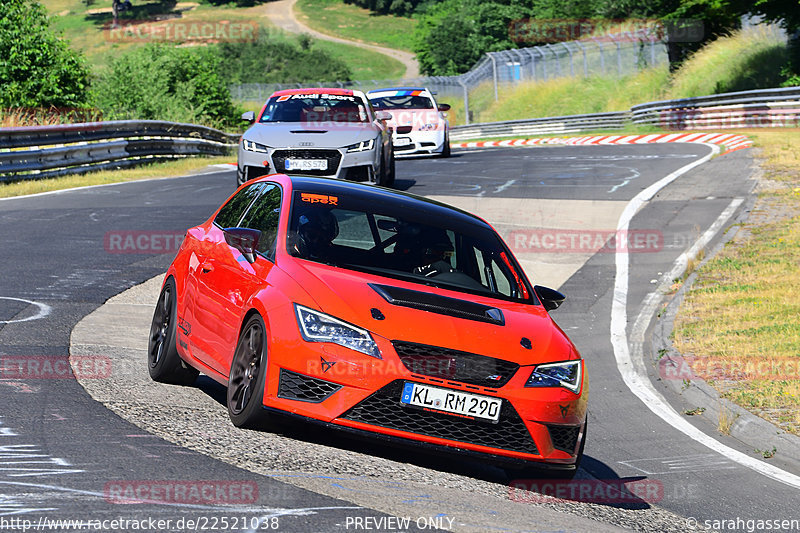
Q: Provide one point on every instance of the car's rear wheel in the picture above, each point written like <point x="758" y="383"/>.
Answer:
<point x="248" y="375"/>
<point x="164" y="363"/>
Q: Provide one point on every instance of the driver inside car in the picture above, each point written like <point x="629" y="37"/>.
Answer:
<point x="435" y="254"/>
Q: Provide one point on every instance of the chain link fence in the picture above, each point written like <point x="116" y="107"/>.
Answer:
<point x="610" y="55"/>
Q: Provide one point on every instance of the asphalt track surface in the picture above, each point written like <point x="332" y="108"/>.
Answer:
<point x="59" y="449"/>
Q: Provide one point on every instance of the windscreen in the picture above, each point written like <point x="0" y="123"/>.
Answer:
<point x="401" y="102"/>
<point x="397" y="241"/>
<point x="313" y="108"/>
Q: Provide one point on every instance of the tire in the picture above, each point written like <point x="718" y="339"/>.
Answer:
<point x="164" y="363"/>
<point x="391" y="173"/>
<point x="446" y="148"/>
<point x="248" y="375"/>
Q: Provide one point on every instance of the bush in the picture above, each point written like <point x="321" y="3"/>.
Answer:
<point x="273" y="59"/>
<point x="37" y="68"/>
<point x="162" y="82"/>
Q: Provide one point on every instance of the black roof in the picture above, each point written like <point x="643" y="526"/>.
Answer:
<point x="368" y="193"/>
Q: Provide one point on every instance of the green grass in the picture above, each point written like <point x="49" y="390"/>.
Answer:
<point x="748" y="59"/>
<point x="365" y="64"/>
<point x="743" y="308"/>
<point x="85" y="31"/>
<point x="336" y="18"/>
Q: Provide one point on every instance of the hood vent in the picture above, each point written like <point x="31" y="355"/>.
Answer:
<point x="308" y="131"/>
<point x="440" y="304"/>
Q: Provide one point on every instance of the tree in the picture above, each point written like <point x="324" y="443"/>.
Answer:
<point x="165" y="82"/>
<point x="37" y="68"/>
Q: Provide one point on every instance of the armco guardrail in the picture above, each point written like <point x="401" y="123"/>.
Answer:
<point x="744" y="109"/>
<point x="37" y="152"/>
<point x="541" y="126"/>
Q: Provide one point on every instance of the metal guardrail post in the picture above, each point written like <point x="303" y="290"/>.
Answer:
<point x="466" y="101"/>
<point x="571" y="61"/>
<point x="544" y="62"/>
<point x="585" y="62"/>
<point x="531" y="54"/>
<point x="494" y="75"/>
<point x="619" y="56"/>
<point x="555" y="55"/>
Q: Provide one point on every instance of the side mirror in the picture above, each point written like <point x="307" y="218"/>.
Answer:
<point x="444" y="107"/>
<point x="243" y="239"/>
<point x="383" y="115"/>
<point x="551" y="298"/>
<point x="249" y="116"/>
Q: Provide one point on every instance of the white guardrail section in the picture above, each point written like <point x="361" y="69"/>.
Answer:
<point x="38" y="152"/>
<point x="763" y="108"/>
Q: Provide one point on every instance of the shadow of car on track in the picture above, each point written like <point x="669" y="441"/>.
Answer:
<point x="595" y="482"/>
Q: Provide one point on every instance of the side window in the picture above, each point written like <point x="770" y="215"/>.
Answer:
<point x="493" y="276"/>
<point x="231" y="213"/>
<point x="263" y="215"/>
<point x="354" y="230"/>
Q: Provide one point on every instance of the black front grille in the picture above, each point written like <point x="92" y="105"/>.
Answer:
<point x="333" y="157"/>
<point x="294" y="386"/>
<point x="383" y="408"/>
<point x="454" y="365"/>
<point x="403" y="148"/>
<point x="564" y="437"/>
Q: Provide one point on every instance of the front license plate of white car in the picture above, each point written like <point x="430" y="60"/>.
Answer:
<point x="402" y="141"/>
<point x="451" y="401"/>
<point x="306" y="164"/>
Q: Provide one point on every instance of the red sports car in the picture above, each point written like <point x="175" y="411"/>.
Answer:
<point x="375" y="311"/>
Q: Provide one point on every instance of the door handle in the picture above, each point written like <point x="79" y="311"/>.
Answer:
<point x="207" y="267"/>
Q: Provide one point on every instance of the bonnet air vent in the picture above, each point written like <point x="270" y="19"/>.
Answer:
<point x="439" y="304"/>
<point x="308" y="131"/>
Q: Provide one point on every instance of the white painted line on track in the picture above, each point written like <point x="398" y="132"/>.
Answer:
<point x="85" y="187"/>
<point x="43" y="310"/>
<point x="632" y="369"/>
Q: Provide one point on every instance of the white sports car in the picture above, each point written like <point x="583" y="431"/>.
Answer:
<point x="419" y="123"/>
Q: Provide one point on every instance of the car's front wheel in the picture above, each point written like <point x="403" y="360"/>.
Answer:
<point x="446" y="147"/>
<point x="248" y="375"/>
<point x="164" y="363"/>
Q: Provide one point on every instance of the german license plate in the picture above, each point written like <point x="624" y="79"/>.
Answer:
<point x="451" y="401"/>
<point x="306" y="164"/>
<point x="402" y="141"/>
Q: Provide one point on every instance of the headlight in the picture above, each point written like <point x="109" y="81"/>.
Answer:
<point x="319" y="327"/>
<point x="363" y="146"/>
<point x="566" y="374"/>
<point x="251" y="146"/>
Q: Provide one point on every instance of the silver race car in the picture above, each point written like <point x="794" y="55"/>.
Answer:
<point x="318" y="132"/>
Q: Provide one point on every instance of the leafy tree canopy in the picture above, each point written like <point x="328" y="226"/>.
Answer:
<point x="37" y="68"/>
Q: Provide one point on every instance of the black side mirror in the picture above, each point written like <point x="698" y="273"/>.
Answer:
<point x="249" y="116"/>
<point x="243" y="239"/>
<point x="551" y="298"/>
<point x="444" y="107"/>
